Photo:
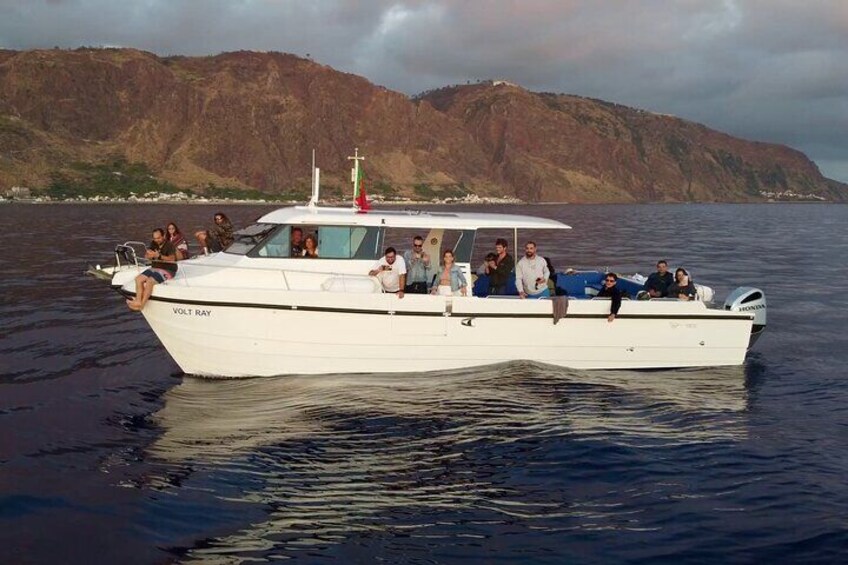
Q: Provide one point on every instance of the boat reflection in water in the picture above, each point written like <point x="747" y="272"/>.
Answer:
<point x="336" y="455"/>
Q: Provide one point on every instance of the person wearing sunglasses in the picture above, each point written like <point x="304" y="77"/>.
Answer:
<point x="218" y="237"/>
<point x="417" y="267"/>
<point x="611" y="291"/>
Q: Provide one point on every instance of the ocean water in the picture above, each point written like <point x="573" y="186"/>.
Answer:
<point x="108" y="454"/>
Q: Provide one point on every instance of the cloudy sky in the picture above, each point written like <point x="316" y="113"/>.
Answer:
<point x="768" y="70"/>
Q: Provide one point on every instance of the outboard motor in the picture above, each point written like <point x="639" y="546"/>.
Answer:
<point x="753" y="300"/>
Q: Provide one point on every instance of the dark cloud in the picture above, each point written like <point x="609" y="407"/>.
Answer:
<point x="772" y="70"/>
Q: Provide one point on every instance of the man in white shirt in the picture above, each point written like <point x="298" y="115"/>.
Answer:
<point x="531" y="274"/>
<point x="391" y="270"/>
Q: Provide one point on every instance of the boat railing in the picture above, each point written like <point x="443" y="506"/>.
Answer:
<point x="126" y="254"/>
<point x="330" y="279"/>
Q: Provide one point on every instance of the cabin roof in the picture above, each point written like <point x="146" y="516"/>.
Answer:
<point x="305" y="215"/>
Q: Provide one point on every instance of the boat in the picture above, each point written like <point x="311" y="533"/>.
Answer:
<point x="252" y="310"/>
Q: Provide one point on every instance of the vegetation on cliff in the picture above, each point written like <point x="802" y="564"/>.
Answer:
<point x="117" y="121"/>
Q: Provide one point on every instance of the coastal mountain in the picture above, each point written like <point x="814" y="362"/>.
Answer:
<point x="250" y="121"/>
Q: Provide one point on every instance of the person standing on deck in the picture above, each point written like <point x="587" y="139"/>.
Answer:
<point x="531" y="274"/>
<point x="417" y="266"/>
<point x="501" y="268"/>
<point x="449" y="280"/>
<point x="391" y="271"/>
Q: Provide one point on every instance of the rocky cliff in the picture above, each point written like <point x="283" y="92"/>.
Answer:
<point x="251" y="120"/>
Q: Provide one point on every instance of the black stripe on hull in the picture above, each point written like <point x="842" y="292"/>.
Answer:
<point x="427" y="314"/>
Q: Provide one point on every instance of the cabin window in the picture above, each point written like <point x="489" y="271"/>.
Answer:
<point x="334" y="242"/>
<point x="345" y="242"/>
<point x="278" y="245"/>
<point x="464" y="246"/>
<point x="436" y="241"/>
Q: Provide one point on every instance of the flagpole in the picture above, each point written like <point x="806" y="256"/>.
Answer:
<point x="313" y="201"/>
<point x="355" y="173"/>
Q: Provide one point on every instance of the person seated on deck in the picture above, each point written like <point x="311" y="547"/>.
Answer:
<point x="682" y="287"/>
<point x="613" y="293"/>
<point x="296" y="242"/>
<point x="450" y="280"/>
<point x="175" y="237"/>
<point x="483" y="269"/>
<point x="531" y="274"/>
<point x="658" y="282"/>
<point x="417" y="267"/>
<point x="552" y="279"/>
<point x="391" y="271"/>
<point x="219" y="237"/>
<point x="501" y="268"/>
<point x="163" y="267"/>
<point x="310" y="247"/>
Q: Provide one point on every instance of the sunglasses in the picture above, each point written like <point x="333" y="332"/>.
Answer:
<point x="610" y="280"/>
<point x="417" y="246"/>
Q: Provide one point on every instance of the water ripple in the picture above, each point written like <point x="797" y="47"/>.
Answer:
<point x="519" y="462"/>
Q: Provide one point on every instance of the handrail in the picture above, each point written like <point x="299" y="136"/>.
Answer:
<point x="128" y="252"/>
<point x="195" y="263"/>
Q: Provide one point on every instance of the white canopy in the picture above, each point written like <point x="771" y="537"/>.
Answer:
<point x="306" y="215"/>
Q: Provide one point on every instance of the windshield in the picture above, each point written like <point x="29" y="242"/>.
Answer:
<point x="247" y="238"/>
<point x="328" y="242"/>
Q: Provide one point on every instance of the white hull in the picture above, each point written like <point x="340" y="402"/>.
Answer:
<point x="217" y="333"/>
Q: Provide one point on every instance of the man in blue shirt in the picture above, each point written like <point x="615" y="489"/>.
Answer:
<point x="417" y="267"/>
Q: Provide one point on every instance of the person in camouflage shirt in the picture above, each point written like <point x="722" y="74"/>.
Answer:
<point x="219" y="237"/>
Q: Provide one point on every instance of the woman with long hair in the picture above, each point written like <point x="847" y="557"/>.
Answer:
<point x="219" y="237"/>
<point x="310" y="247"/>
<point x="682" y="287"/>
<point x="177" y="239"/>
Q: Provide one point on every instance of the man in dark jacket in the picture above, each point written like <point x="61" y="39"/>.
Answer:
<point x="658" y="283"/>
<point x="613" y="293"/>
<point x="500" y="269"/>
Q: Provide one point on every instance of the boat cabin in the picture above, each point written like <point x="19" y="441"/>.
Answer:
<point x="349" y="240"/>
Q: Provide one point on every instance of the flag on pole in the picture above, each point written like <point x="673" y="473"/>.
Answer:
<point x="359" y="195"/>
